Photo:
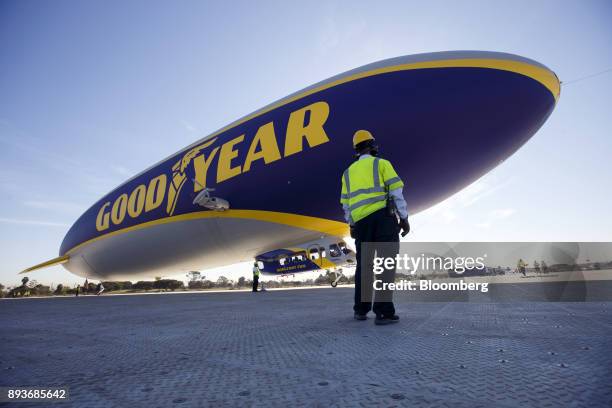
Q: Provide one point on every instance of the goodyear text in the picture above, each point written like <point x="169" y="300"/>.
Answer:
<point x="214" y="164"/>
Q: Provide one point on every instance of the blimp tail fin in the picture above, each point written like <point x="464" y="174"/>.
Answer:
<point x="51" y="262"/>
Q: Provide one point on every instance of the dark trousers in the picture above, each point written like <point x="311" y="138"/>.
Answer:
<point x="255" y="283"/>
<point x="376" y="227"/>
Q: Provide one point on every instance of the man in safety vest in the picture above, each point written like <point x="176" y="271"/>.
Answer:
<point x="372" y="200"/>
<point x="255" y="277"/>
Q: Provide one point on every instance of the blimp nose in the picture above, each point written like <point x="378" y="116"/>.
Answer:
<point x="456" y="124"/>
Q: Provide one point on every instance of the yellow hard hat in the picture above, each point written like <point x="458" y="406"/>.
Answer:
<point x="361" y="136"/>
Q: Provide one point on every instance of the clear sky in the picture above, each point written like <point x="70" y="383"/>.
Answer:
<point x="92" y="92"/>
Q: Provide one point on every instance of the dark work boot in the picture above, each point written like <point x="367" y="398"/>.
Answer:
<point x="361" y="316"/>
<point x="383" y="320"/>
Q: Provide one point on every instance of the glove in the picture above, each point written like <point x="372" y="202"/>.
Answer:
<point x="353" y="232"/>
<point x="405" y="226"/>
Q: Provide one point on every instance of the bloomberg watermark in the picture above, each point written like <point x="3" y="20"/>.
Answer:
<point x="430" y="285"/>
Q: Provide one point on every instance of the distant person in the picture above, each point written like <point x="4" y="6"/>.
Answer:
<point x="76" y="291"/>
<point x="99" y="289"/>
<point x="536" y="267"/>
<point x="544" y="267"/>
<point x="255" y="277"/>
<point x="372" y="200"/>
<point x="520" y="266"/>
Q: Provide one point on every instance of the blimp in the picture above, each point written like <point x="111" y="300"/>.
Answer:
<point x="266" y="187"/>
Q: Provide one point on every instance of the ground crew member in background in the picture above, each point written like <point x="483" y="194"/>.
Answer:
<point x="372" y="200"/>
<point x="520" y="266"/>
<point x="255" y="277"/>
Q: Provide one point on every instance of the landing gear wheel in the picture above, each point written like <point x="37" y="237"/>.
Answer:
<point x="337" y="276"/>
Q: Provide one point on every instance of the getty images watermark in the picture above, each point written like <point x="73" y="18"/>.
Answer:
<point x="411" y="264"/>
<point x="486" y="271"/>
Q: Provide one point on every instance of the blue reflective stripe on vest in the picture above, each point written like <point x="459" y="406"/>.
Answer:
<point x="367" y="201"/>
<point x="346" y="182"/>
<point x="392" y="180"/>
<point x="364" y="191"/>
<point x="375" y="175"/>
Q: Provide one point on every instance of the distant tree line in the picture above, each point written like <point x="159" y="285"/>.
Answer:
<point x="113" y="286"/>
<point x="158" y="284"/>
<point x="196" y="282"/>
<point x="27" y="288"/>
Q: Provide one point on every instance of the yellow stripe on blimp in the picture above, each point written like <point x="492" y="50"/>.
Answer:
<point x="540" y="74"/>
<point x="322" y="225"/>
<point x="52" y="262"/>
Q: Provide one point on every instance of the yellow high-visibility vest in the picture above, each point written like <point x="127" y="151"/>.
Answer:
<point x="364" y="186"/>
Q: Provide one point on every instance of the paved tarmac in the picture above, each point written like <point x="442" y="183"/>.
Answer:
<point x="509" y="347"/>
